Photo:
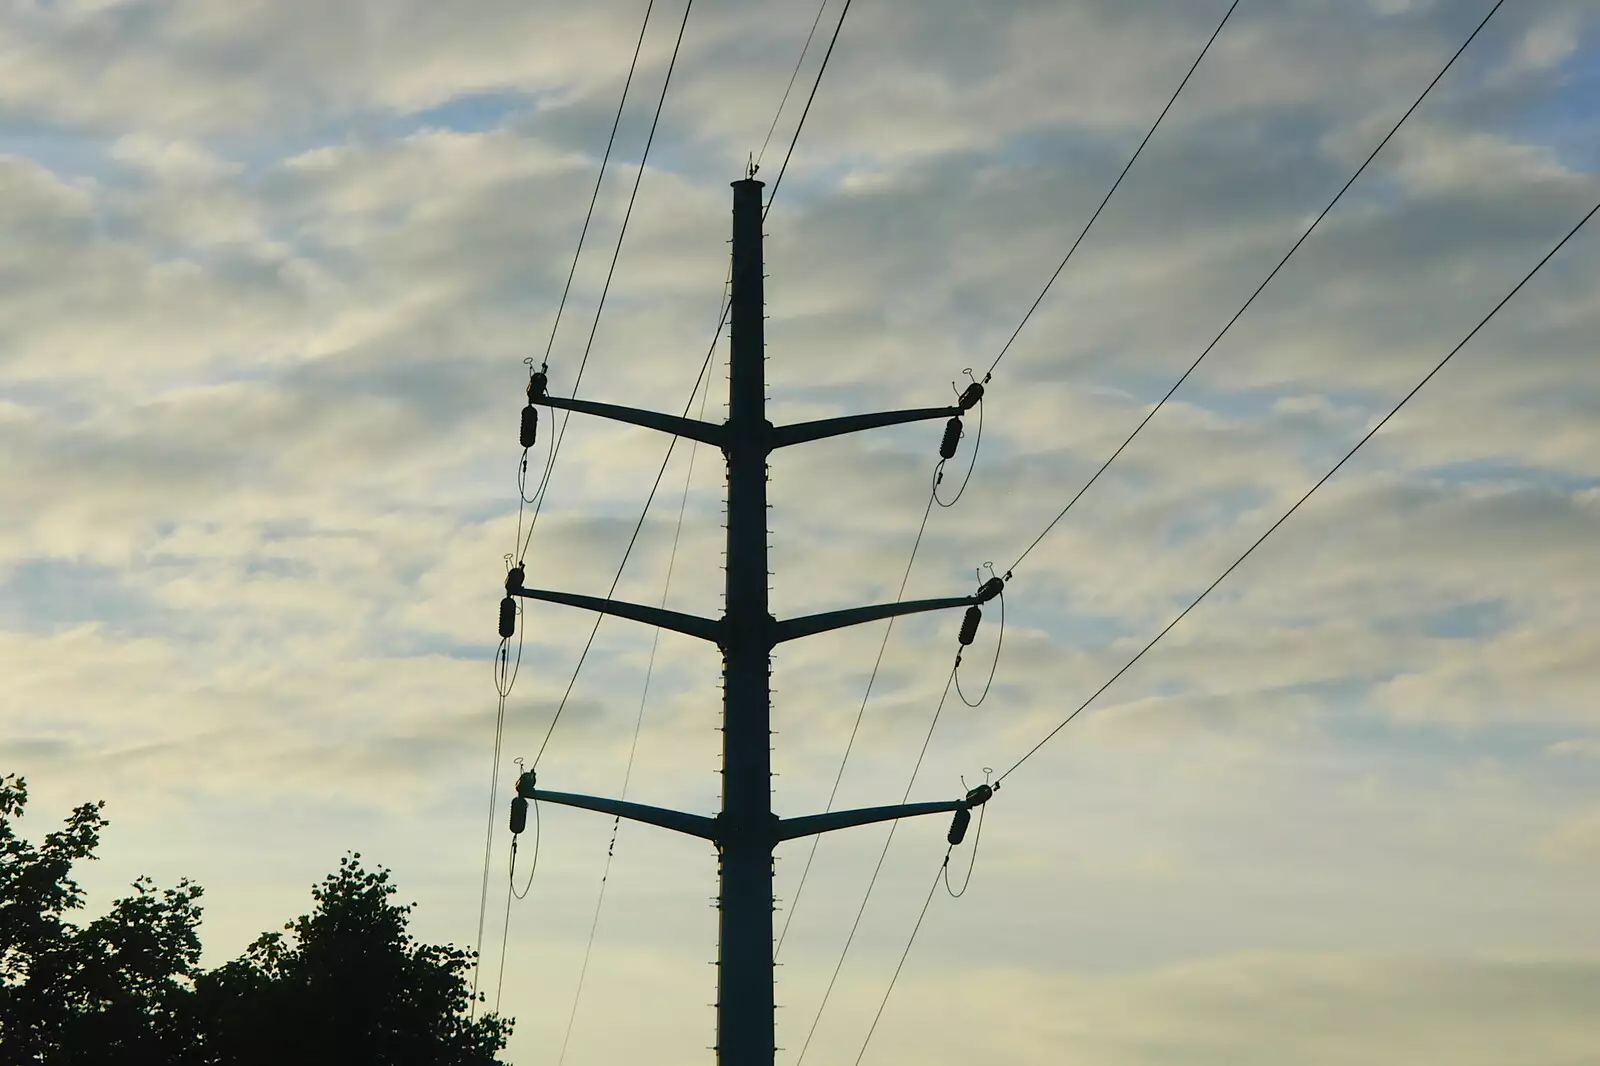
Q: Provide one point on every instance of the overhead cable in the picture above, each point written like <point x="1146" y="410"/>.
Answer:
<point x="1320" y="482"/>
<point x="512" y="893"/>
<point x="790" y="87"/>
<point x="944" y="872"/>
<point x="855" y="728"/>
<point x="638" y="723"/>
<point x="1246" y="306"/>
<point x="705" y="366"/>
<point x="1111" y="191"/>
<point x="504" y="684"/>
<point x="877" y="869"/>
<point x="772" y="195"/>
<point x="572" y="270"/>
<point x="611" y="270"/>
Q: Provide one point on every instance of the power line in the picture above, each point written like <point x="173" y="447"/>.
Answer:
<point x="566" y="289"/>
<point x="594" y="926"/>
<point x="872" y="678"/>
<point x="1320" y="482"/>
<point x="876" y="870"/>
<point x="745" y="831"/>
<point x="512" y="893"/>
<point x="1071" y="250"/>
<point x="1246" y="306"/>
<point x="790" y="87"/>
<point x="943" y="871"/>
<point x="611" y="271"/>
<point x="634" y="538"/>
<point x="1107" y="199"/>
<point x="638" y="724"/>
<point x="933" y="497"/>
<point x="504" y="684"/>
<point x="773" y="194"/>
<point x="702" y="376"/>
<point x="594" y="196"/>
<point x="494" y="787"/>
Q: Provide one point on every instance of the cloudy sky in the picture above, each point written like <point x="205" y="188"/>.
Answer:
<point x="270" y="272"/>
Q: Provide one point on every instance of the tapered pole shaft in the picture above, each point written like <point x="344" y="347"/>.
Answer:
<point x="746" y="835"/>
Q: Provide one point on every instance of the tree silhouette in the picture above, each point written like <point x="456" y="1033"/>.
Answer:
<point x="115" y="990"/>
<point x="344" y="984"/>
<point x="348" y="984"/>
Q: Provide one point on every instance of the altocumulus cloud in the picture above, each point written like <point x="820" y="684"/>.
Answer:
<point x="269" y="276"/>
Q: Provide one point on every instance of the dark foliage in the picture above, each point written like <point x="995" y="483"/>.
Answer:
<point x="344" y="984"/>
<point x="357" y="986"/>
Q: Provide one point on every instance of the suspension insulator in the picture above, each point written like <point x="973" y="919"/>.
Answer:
<point x="526" y="782"/>
<point x="979" y="796"/>
<point x="989" y="589"/>
<point x="952" y="437"/>
<point x="519" y="815"/>
<point x="969" y="625"/>
<point x="537" y="383"/>
<point x="508" y="618"/>
<point x="514" y="579"/>
<point x="530" y="425"/>
<point x="958" y="827"/>
<point x="970" y="398"/>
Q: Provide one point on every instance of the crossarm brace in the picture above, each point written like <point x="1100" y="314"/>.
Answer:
<point x="812" y="624"/>
<point x="790" y="828"/>
<point x="801" y="432"/>
<point x="690" y="624"/>
<point x="693" y="824"/>
<point x="704" y="432"/>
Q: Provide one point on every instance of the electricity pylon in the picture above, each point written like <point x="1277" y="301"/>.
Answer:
<point x="746" y="831"/>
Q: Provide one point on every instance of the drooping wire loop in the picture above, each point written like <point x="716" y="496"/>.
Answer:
<point x="994" y="588"/>
<point x="976" y="797"/>
<point x="953" y="433"/>
<point x="527" y="885"/>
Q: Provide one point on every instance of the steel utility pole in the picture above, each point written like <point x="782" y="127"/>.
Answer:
<point x="746" y="831"/>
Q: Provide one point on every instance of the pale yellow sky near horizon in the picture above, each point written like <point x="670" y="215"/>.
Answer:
<point x="271" y="271"/>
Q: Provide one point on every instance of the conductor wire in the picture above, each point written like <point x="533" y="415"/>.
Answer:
<point x="1308" y="493"/>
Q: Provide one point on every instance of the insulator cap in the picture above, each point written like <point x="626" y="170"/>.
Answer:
<point x="952" y="437"/>
<point x="508" y="618"/>
<point x="519" y="815"/>
<point x="989" y="590"/>
<point x="969" y="624"/>
<point x="530" y="425"/>
<point x="958" y="827"/>
<point x="526" y="783"/>
<point x="514" y="579"/>
<point x="969" y="399"/>
<point x="979" y="796"/>
<point x="537" y="383"/>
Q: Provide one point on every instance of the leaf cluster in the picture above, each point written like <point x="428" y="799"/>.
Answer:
<point x="345" y="983"/>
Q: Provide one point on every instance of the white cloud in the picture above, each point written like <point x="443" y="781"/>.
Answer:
<point x="1582" y="747"/>
<point x="263" y="325"/>
<point x="181" y="162"/>
<point x="1550" y="41"/>
<point x="1576" y="840"/>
